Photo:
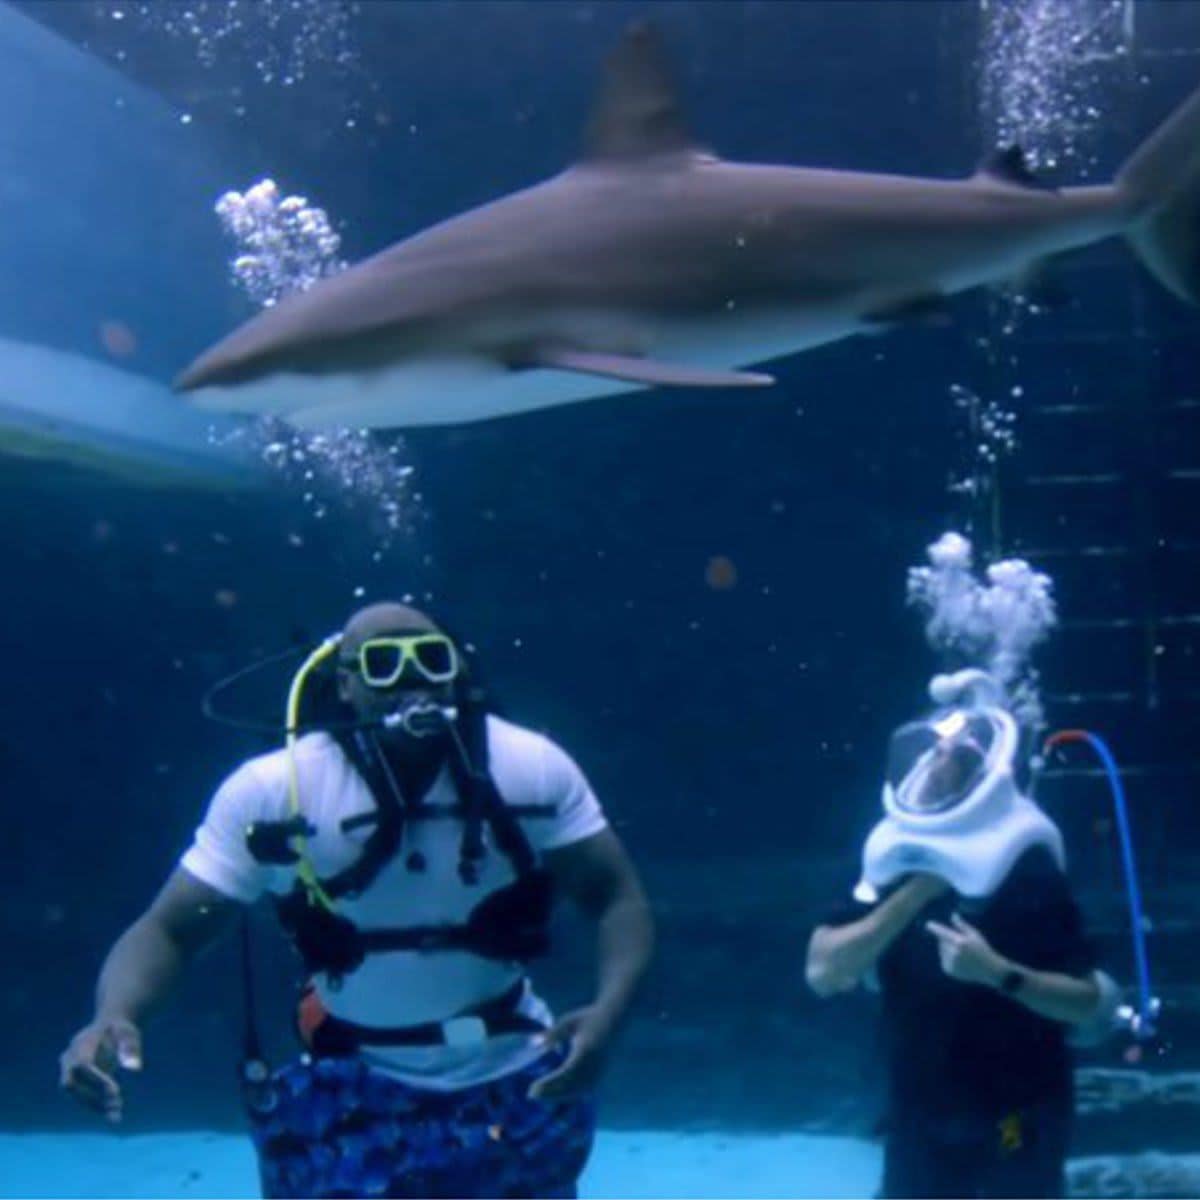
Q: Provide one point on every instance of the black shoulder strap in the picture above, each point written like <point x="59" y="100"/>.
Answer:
<point x="468" y="762"/>
<point x="384" y="840"/>
<point x="481" y="796"/>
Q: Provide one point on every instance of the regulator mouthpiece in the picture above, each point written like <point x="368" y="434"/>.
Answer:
<point x="422" y="718"/>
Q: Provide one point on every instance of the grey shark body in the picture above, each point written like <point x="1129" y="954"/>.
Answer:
<point x="654" y="263"/>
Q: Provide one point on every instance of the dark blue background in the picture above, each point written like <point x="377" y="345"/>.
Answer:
<point x="734" y="735"/>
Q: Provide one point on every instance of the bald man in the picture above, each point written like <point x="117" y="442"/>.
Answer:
<point x="413" y="843"/>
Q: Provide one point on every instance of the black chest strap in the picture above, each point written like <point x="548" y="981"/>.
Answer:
<point x="469" y="768"/>
<point x="384" y="840"/>
<point x="479" y="803"/>
<point x="510" y="924"/>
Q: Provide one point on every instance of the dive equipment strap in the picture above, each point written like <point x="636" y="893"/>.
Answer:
<point x="416" y="937"/>
<point x="480" y="802"/>
<point x="474" y="783"/>
<point x="384" y="840"/>
<point x="254" y="1072"/>
<point x="508" y="925"/>
<point x="330" y="1036"/>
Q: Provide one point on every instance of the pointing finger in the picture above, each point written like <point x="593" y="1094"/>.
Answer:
<point x="944" y="933"/>
<point x="555" y="1035"/>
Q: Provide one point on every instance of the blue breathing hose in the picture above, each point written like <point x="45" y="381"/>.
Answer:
<point x="1142" y="1024"/>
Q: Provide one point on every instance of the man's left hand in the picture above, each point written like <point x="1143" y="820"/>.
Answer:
<point x="587" y="1030"/>
<point x="965" y="953"/>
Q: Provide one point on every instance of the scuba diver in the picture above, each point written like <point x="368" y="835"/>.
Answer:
<point x="964" y="921"/>
<point x="413" y="843"/>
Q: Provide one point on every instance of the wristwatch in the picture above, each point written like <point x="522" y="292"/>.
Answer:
<point x="1012" y="982"/>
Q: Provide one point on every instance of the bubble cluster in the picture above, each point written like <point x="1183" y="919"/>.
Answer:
<point x="991" y="436"/>
<point x="1045" y="64"/>
<point x="283" y="41"/>
<point x="286" y="244"/>
<point x="993" y="623"/>
<point x="352" y="463"/>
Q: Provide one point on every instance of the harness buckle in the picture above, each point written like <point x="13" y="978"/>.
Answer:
<point x="464" y="1031"/>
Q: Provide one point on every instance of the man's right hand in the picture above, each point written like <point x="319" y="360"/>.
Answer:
<point x="89" y="1065"/>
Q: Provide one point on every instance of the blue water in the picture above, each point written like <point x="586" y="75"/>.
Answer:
<point x="700" y="594"/>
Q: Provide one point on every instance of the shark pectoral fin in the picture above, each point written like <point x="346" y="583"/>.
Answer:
<point x="647" y="371"/>
<point x="1009" y="165"/>
<point x="931" y="309"/>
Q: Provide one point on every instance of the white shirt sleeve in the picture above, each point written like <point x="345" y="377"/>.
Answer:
<point x="577" y="812"/>
<point x="219" y="856"/>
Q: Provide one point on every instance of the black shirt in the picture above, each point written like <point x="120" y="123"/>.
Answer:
<point x="963" y="1049"/>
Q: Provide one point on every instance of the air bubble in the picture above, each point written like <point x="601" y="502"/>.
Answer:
<point x="282" y="41"/>
<point x="1044" y="63"/>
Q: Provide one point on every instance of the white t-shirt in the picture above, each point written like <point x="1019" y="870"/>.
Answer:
<point x="405" y="987"/>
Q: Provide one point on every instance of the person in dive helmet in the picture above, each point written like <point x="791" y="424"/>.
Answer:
<point x="963" y="919"/>
<point x="412" y="843"/>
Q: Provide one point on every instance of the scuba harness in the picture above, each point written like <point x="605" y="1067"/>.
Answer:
<point x="509" y="925"/>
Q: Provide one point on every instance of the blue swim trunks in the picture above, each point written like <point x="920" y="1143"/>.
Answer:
<point x="335" y="1127"/>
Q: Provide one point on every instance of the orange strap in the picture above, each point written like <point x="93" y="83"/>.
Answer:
<point x="310" y="1014"/>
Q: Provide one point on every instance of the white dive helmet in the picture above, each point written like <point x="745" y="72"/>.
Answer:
<point x="951" y="804"/>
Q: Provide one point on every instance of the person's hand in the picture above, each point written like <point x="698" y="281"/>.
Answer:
<point x="965" y="954"/>
<point x="89" y="1065"/>
<point x="588" y="1031"/>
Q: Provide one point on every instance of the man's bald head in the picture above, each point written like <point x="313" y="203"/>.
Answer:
<point x="372" y="703"/>
<point x="377" y="620"/>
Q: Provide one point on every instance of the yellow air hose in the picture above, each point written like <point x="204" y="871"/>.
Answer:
<point x="304" y="868"/>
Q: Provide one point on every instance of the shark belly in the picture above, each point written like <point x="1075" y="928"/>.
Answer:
<point x="427" y="390"/>
<point x="458" y="388"/>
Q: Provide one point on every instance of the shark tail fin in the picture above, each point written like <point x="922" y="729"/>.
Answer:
<point x="1161" y="184"/>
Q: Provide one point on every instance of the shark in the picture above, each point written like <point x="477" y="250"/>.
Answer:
<point x="652" y="263"/>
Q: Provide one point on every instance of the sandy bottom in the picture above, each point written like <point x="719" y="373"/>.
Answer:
<point x="624" y="1164"/>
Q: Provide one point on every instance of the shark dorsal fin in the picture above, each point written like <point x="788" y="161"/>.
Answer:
<point x="637" y="114"/>
<point x="1009" y="165"/>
